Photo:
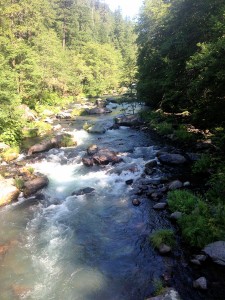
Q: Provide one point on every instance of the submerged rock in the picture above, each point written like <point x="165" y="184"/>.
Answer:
<point x="8" y="192"/>
<point x="136" y="202"/>
<point x="33" y="185"/>
<point x="160" y="206"/>
<point x="216" y="251"/>
<point x="83" y="191"/>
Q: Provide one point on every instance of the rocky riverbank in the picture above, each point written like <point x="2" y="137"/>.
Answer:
<point x="167" y="171"/>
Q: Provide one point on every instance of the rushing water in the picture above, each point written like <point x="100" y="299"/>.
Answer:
<point x="86" y="247"/>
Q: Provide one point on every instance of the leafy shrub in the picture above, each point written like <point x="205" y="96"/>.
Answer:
<point x="78" y="112"/>
<point x="216" y="193"/>
<point x="158" y="287"/>
<point x="183" y="135"/>
<point x="196" y="229"/>
<point x="67" y="141"/>
<point x="163" y="236"/>
<point x="164" y="128"/>
<point x="10" y="154"/>
<point x="182" y="200"/>
<point x="202" y="165"/>
<point x="19" y="183"/>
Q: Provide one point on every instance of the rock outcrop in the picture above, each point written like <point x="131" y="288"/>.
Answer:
<point x="33" y="185"/>
<point x="216" y="251"/>
<point x="8" y="192"/>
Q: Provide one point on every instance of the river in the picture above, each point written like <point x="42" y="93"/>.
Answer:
<point x="93" y="246"/>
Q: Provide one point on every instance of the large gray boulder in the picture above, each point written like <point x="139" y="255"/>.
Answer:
<point x="97" y="128"/>
<point x="132" y="120"/>
<point x="8" y="192"/>
<point x="216" y="251"/>
<point x="28" y="114"/>
<point x="171" y="159"/>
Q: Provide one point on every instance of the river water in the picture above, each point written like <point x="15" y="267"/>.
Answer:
<point x="86" y="247"/>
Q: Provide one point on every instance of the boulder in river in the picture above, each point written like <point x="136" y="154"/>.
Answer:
<point x="102" y="156"/>
<point x="98" y="110"/>
<point x="8" y="192"/>
<point x="88" y="161"/>
<point x="92" y="149"/>
<point x="83" y="191"/>
<point x="160" y="206"/>
<point x="216" y="251"/>
<point x="136" y="202"/>
<point x="105" y="156"/>
<point x="33" y="185"/>
<point x="132" y="120"/>
<point x="97" y="128"/>
<point x="171" y="159"/>
<point x="62" y="140"/>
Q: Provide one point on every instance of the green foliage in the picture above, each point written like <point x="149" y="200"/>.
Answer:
<point x="67" y="141"/>
<point x="196" y="230"/>
<point x="19" y="182"/>
<point x="183" y="135"/>
<point x="202" y="165"/>
<point x="216" y="193"/>
<point x="86" y="125"/>
<point x="183" y="201"/>
<point x="158" y="287"/>
<point x="37" y="128"/>
<point x="163" y="236"/>
<point x="164" y="128"/>
<point x="10" y="154"/>
<point x="30" y="169"/>
<point x="78" y="112"/>
<point x="178" y="69"/>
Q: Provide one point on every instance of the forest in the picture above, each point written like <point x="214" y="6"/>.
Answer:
<point x="52" y="50"/>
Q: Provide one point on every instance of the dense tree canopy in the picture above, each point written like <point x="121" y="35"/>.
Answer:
<point x="181" y="56"/>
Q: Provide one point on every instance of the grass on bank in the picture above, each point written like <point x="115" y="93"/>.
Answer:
<point x="163" y="236"/>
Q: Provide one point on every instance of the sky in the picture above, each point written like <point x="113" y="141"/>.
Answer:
<point x="129" y="8"/>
